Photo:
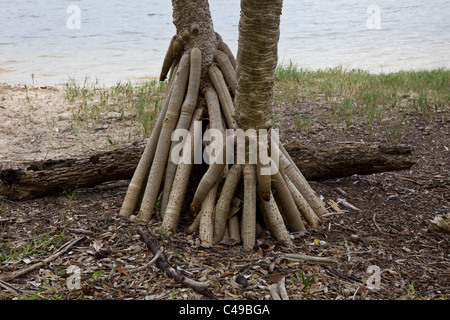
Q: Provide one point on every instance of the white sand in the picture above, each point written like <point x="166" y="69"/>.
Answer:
<point x="38" y="123"/>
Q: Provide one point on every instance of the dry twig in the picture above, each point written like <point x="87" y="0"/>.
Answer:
<point x="308" y="259"/>
<point x="162" y="264"/>
<point x="21" y="272"/>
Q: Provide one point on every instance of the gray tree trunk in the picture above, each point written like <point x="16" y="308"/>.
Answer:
<point x="194" y="25"/>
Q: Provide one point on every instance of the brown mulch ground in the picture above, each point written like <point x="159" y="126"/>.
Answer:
<point x="389" y="232"/>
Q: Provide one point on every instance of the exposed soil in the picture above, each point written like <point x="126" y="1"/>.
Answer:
<point x="40" y="123"/>
<point x="388" y="231"/>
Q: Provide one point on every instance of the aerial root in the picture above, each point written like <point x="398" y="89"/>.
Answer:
<point x="230" y="198"/>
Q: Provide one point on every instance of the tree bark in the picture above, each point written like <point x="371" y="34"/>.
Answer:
<point x="27" y="180"/>
<point x="194" y="25"/>
<point x="348" y="159"/>
<point x="257" y="58"/>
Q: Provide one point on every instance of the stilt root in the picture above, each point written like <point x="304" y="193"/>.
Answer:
<point x="283" y="199"/>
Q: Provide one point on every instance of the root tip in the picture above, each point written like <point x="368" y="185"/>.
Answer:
<point x="266" y="196"/>
<point x="195" y="28"/>
<point x="194" y="208"/>
<point x="177" y="46"/>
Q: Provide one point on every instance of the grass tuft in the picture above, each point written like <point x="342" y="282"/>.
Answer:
<point x="141" y="102"/>
<point x="359" y="97"/>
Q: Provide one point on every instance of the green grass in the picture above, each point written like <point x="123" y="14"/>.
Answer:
<point x="140" y="102"/>
<point x="71" y="195"/>
<point x="36" y="246"/>
<point x="409" y="292"/>
<point x="337" y="97"/>
<point x="355" y="96"/>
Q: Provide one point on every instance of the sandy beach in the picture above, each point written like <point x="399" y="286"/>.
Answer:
<point x="40" y="123"/>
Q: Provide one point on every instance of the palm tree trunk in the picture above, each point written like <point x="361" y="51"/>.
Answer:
<point x="257" y="57"/>
<point x="194" y="25"/>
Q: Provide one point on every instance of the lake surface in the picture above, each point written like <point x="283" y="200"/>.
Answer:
<point x="116" y="40"/>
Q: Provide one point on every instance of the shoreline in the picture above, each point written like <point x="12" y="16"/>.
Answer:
<point x="142" y="79"/>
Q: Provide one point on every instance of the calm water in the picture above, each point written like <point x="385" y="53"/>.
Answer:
<point x="126" y="40"/>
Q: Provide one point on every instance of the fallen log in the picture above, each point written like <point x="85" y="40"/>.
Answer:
<point x="28" y="180"/>
<point x="349" y="159"/>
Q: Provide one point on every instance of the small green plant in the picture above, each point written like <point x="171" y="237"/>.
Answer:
<point x="302" y="278"/>
<point x="35" y="296"/>
<point x="235" y="292"/>
<point x="45" y="291"/>
<point x="71" y="195"/>
<point x="167" y="243"/>
<point x="348" y="111"/>
<point x="26" y="92"/>
<point x="409" y="292"/>
<point x="97" y="274"/>
<point x="111" y="142"/>
<point x="306" y="281"/>
<point x="302" y="123"/>
<point x="292" y="281"/>
<point x="35" y="246"/>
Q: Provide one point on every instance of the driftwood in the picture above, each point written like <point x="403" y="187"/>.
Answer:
<point x="27" y="180"/>
<point x="163" y="265"/>
<point x="348" y="159"/>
